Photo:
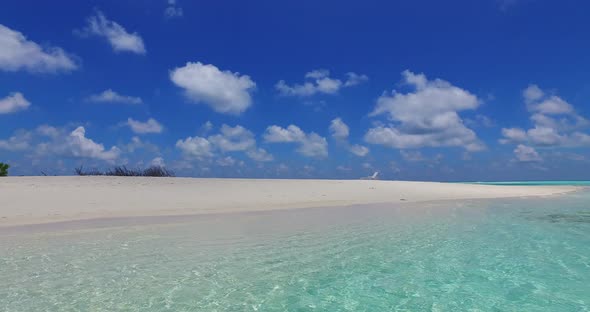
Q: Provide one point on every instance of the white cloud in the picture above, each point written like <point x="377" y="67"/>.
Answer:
<point x="314" y="146"/>
<point x="310" y="145"/>
<point x="417" y="156"/>
<point x="260" y="155"/>
<point x="197" y="147"/>
<point x="319" y="81"/>
<point x="46" y="141"/>
<point x="359" y="150"/>
<point x="19" y="141"/>
<point x="233" y="139"/>
<point x="229" y="139"/>
<point x="552" y="106"/>
<point x="158" y="162"/>
<point x="173" y="10"/>
<point x="525" y="153"/>
<point x="479" y="121"/>
<point x="150" y="126"/>
<point x="75" y="144"/>
<point x="282" y="168"/>
<point x="136" y="143"/>
<point x="394" y="167"/>
<point x="13" y="103"/>
<point x="514" y="135"/>
<point x="119" y="39"/>
<point x="426" y="117"/>
<point x="227" y="161"/>
<point x="206" y="127"/>
<point x="532" y="93"/>
<point x="343" y="168"/>
<point x="338" y="129"/>
<point x="555" y="122"/>
<point x="18" y="53"/>
<point x="412" y="156"/>
<point x="224" y="91"/>
<point x="277" y="134"/>
<point x="81" y="146"/>
<point x="355" y="79"/>
<point x="48" y="131"/>
<point x="110" y="96"/>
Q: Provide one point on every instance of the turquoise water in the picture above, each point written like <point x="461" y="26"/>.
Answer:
<point x="502" y="255"/>
<point x="574" y="183"/>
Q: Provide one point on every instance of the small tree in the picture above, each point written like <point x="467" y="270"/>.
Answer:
<point x="4" y="169"/>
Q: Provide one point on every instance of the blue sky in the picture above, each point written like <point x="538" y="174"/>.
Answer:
<point x="418" y="90"/>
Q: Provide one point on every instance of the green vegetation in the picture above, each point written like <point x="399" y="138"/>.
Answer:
<point x="4" y="169"/>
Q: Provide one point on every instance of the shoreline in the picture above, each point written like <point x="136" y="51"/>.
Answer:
<point x="30" y="201"/>
<point x="105" y="223"/>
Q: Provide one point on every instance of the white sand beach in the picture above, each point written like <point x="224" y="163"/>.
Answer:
<point x="36" y="200"/>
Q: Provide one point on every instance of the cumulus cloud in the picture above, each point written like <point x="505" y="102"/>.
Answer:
<point x="310" y="144"/>
<point x="412" y="156"/>
<point x="197" y="147"/>
<point x="359" y="150"/>
<point x="206" y="127"/>
<point x="223" y="91"/>
<point x="429" y="116"/>
<point x="119" y="39"/>
<point x="232" y="139"/>
<point x="525" y="153"/>
<point x="136" y="143"/>
<point x="260" y="155"/>
<point x="158" y="162"/>
<point x="555" y="122"/>
<point x="173" y="10"/>
<point x="319" y="81"/>
<point x="355" y="79"/>
<point x="532" y="93"/>
<point x="229" y="139"/>
<point x="227" y="161"/>
<point x="514" y="135"/>
<point x="19" y="141"/>
<point x="48" y="131"/>
<point x="277" y="134"/>
<point x="75" y="144"/>
<point x="340" y="131"/>
<point x="149" y="126"/>
<point x="313" y="146"/>
<point x="18" y="53"/>
<point x="47" y="142"/>
<point x="110" y="96"/>
<point x="479" y="121"/>
<point x="81" y="146"/>
<point x="418" y="157"/>
<point x="13" y="103"/>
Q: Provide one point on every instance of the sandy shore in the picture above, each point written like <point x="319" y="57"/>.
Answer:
<point x="35" y="200"/>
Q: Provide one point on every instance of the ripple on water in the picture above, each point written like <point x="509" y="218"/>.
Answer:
<point x="518" y="255"/>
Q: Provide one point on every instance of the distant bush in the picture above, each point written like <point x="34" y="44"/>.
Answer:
<point x="122" y="171"/>
<point x="4" y="169"/>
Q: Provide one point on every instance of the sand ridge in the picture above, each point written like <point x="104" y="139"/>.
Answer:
<point x="35" y="200"/>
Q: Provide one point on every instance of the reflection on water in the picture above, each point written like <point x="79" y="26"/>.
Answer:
<point x="507" y="255"/>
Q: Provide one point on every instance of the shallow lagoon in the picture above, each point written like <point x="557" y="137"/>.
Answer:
<point x="498" y="255"/>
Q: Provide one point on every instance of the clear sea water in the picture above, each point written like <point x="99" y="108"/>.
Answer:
<point x="500" y="255"/>
<point x="574" y="183"/>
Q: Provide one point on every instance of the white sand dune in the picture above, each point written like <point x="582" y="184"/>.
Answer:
<point x="33" y="200"/>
